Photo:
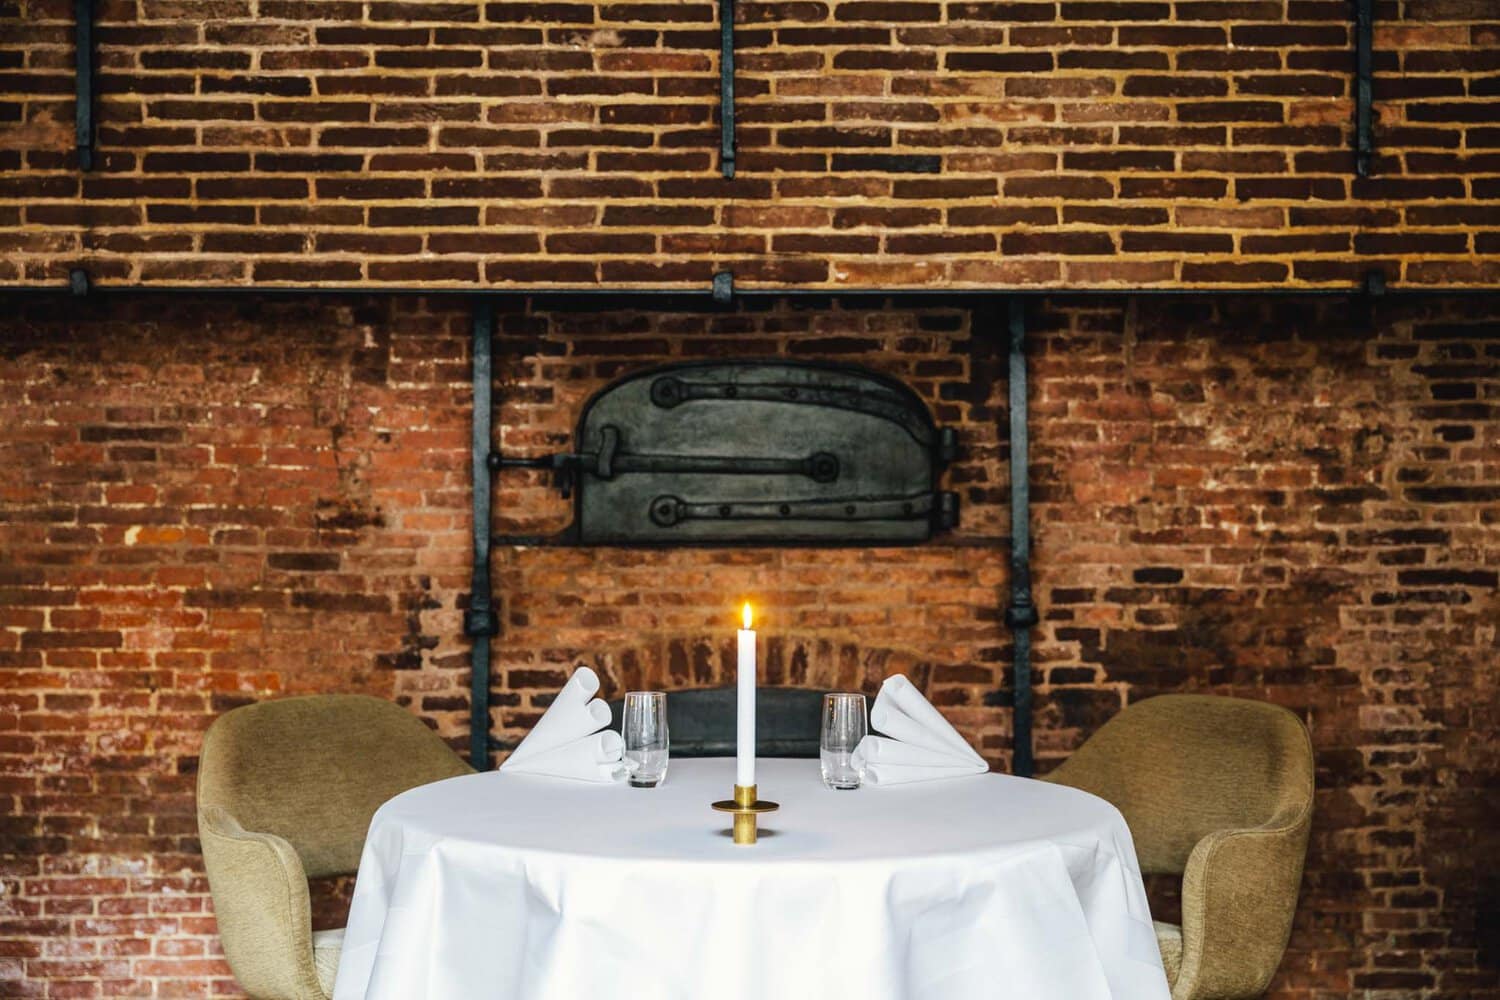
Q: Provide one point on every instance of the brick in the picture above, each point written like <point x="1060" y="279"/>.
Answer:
<point x="1339" y="559"/>
<point x="304" y="561"/>
<point x="329" y="118"/>
<point x="1115" y="11"/>
<point x="885" y="13"/>
<point x="1234" y="272"/>
<point x="1118" y="161"/>
<point x="999" y="62"/>
<point x="1059" y="243"/>
<point x="658" y="215"/>
<point x="883" y="163"/>
<point x="1175" y="86"/>
<point x="1231" y="111"/>
<point x="1176" y="241"/>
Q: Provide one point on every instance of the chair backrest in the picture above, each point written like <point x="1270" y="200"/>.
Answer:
<point x="314" y="769"/>
<point x="1179" y="767"/>
<point x="702" y="721"/>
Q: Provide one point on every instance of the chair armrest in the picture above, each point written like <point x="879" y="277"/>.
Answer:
<point x="1239" y="894"/>
<point x="261" y="903"/>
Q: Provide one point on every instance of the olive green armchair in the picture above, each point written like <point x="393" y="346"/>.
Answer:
<point x="1220" y="792"/>
<point x="286" y="790"/>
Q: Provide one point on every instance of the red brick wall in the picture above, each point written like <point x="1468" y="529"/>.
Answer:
<point x="213" y="501"/>
<point x="516" y="142"/>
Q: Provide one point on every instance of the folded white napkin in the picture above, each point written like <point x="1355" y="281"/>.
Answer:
<point x="919" y="744"/>
<point x="566" y="742"/>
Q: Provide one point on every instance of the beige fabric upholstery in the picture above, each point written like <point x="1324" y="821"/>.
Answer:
<point x="1218" y="790"/>
<point x="286" y="790"/>
<point x="326" y="948"/>
<point x="1169" y="943"/>
<point x="261" y="904"/>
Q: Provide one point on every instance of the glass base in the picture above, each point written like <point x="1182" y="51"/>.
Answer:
<point x="642" y="783"/>
<point x="838" y="770"/>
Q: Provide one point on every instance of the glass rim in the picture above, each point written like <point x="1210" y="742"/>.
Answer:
<point x="645" y="694"/>
<point x="843" y="694"/>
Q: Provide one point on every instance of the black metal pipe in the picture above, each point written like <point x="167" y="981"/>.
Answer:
<point x="957" y="297"/>
<point x="1021" y="614"/>
<point x="83" y="108"/>
<point x="480" y="620"/>
<point x="726" y="87"/>
<point x="1364" y="71"/>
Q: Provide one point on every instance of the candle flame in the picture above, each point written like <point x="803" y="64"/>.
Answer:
<point x="745" y="614"/>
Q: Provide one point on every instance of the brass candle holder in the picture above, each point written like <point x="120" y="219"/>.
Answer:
<point x="745" y="807"/>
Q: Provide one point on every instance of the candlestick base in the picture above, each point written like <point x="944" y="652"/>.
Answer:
<point x="745" y="807"/>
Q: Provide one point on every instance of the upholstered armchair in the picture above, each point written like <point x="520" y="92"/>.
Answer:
<point x="286" y="790"/>
<point x="1218" y="791"/>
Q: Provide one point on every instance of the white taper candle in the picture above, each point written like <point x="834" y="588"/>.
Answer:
<point x="745" y="702"/>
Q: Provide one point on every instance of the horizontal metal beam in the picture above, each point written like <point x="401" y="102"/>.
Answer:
<point x="567" y="541"/>
<point x="572" y="295"/>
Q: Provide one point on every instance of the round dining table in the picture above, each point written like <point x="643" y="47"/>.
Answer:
<point x="518" y="887"/>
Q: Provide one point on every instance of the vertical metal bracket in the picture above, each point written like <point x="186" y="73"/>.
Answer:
<point x="1364" y="71"/>
<point x="480" y="621"/>
<point x="726" y="87"/>
<point x="1021" y="614"/>
<point x="723" y="288"/>
<point x="1372" y="289"/>
<point x="83" y="108"/>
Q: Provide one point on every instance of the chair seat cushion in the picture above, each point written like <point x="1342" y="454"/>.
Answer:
<point x="1169" y="941"/>
<point x="326" y="948"/>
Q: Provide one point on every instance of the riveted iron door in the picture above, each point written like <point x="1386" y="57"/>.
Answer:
<point x="757" y="452"/>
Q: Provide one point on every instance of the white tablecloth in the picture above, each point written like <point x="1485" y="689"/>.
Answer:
<point x="522" y="888"/>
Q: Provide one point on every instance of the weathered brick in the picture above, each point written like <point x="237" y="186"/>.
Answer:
<point x="1311" y="567"/>
<point x="311" y="118"/>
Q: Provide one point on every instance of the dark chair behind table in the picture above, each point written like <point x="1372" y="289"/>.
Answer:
<point x="702" y="721"/>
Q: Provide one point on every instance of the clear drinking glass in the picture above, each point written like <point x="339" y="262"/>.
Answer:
<point x="644" y="730"/>
<point x="844" y="725"/>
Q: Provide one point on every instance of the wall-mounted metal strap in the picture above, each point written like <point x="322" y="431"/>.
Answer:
<point x="674" y="299"/>
<point x="1021" y="615"/>
<point x="669" y="392"/>
<point x="1364" y="72"/>
<point x="480" y="621"/>
<point x="669" y="510"/>
<point x="83" y="109"/>
<point x="611" y="461"/>
<point x="726" y="92"/>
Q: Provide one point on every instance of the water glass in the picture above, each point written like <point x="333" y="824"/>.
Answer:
<point x="644" y="730"/>
<point x="844" y="725"/>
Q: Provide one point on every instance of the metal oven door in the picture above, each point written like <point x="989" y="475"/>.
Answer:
<point x="757" y="452"/>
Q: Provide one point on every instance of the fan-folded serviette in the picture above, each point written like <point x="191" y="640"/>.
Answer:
<point x="918" y="745"/>
<point x="566" y="741"/>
